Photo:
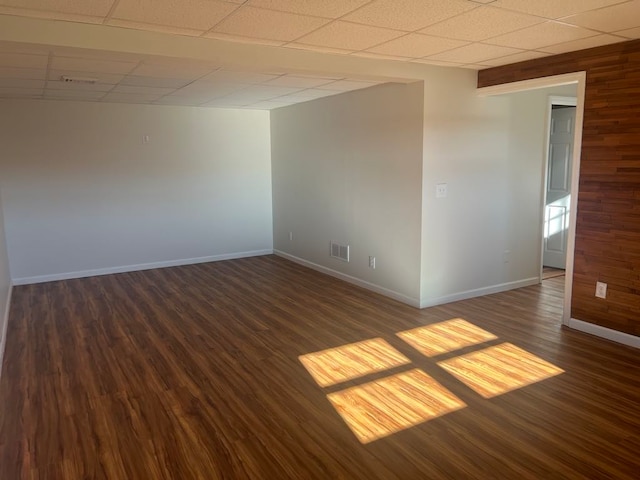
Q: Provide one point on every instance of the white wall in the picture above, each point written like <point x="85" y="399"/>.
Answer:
<point x="82" y="193"/>
<point x="347" y="168"/>
<point x="5" y="287"/>
<point x="490" y="152"/>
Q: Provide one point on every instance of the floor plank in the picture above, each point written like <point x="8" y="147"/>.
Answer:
<point x="193" y="373"/>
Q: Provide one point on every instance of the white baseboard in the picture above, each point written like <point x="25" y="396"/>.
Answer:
<point x="414" y="302"/>
<point x="142" y="266"/>
<point x="479" y="292"/>
<point x="5" y="324"/>
<point x="603" y="332"/>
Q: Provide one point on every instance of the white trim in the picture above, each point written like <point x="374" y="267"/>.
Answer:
<point x="566" y="101"/>
<point x="603" y="332"/>
<point x="414" y="302"/>
<point x="533" y="84"/>
<point x="133" y="268"/>
<point x="479" y="292"/>
<point x="553" y="81"/>
<point x="5" y="324"/>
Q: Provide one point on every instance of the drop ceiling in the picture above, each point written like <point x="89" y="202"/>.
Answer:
<point x="455" y="33"/>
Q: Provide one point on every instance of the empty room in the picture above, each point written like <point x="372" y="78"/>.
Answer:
<point x="317" y="239"/>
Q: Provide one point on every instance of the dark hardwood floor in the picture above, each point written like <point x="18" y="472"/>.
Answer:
<point x="193" y="372"/>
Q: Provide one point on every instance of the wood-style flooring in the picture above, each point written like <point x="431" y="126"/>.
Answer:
<point x="194" y="373"/>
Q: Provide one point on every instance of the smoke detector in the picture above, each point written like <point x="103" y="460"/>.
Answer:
<point x="67" y="79"/>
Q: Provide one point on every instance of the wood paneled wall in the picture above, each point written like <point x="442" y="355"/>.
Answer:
<point x="608" y="216"/>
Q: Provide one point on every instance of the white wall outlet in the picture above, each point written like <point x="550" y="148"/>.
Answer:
<point x="601" y="290"/>
<point x="441" y="190"/>
<point x="506" y="256"/>
<point x="372" y="262"/>
<point x="290" y="236"/>
<point x="146" y="139"/>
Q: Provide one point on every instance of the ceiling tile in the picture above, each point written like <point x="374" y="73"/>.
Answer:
<point x="380" y="56"/>
<point x="260" y="23"/>
<point x="241" y="39"/>
<point x="182" y="71"/>
<point x="68" y="17"/>
<point x="21" y="83"/>
<point x="118" y="22"/>
<point x="619" y="17"/>
<point x="154" y="81"/>
<point x="264" y="92"/>
<point x="437" y="63"/>
<point x="309" y="94"/>
<point x="518" y="57"/>
<point x="98" y="8"/>
<point x="26" y="73"/>
<point x="94" y="87"/>
<point x="346" y="85"/>
<point x="318" y="8"/>
<point x="349" y="36"/>
<point x="474" y="53"/>
<point x="191" y="14"/>
<point x="481" y="23"/>
<point x="582" y="44"/>
<point x="541" y="35"/>
<point x="416" y="45"/>
<point x="73" y="94"/>
<point x="228" y="102"/>
<point x="629" y="33"/>
<point x="108" y="78"/>
<point x="142" y="90"/>
<point x="19" y="92"/>
<point x="246" y="77"/>
<point x="209" y="89"/>
<point x="408" y="15"/>
<point x="269" y="105"/>
<point x="90" y="65"/>
<point x="316" y="48"/>
<point x="182" y="101"/>
<point x="553" y="8"/>
<point x="129" y="98"/>
<point x="300" y="82"/>
<point x="23" y="61"/>
<point x="94" y="54"/>
<point x="25" y="48"/>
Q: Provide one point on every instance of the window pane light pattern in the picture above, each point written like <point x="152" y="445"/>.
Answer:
<point x="337" y="365"/>
<point x="444" y="337"/>
<point x="500" y="369"/>
<point x="377" y="409"/>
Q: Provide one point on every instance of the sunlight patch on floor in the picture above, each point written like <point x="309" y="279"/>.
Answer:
<point x="337" y="365"/>
<point x="444" y="337"/>
<point x="383" y="407"/>
<point x="500" y="369"/>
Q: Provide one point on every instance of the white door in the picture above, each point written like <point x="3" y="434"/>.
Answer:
<point x="558" y="197"/>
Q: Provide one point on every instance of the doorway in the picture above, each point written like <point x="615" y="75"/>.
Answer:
<point x="557" y="185"/>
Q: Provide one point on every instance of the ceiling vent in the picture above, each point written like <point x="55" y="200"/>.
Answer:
<point x="67" y="79"/>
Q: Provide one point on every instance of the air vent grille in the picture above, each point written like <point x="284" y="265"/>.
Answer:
<point x="340" y="251"/>
<point x="67" y="79"/>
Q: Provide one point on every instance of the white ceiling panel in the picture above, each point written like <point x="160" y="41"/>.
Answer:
<point x="118" y="22"/>
<point x="191" y="14"/>
<point x="108" y="78"/>
<point x="154" y="81"/>
<point x="269" y="24"/>
<point x="541" y="35"/>
<point x="553" y="8"/>
<point x="129" y="98"/>
<point x="21" y="83"/>
<point x="317" y="8"/>
<point x="97" y="8"/>
<point x="91" y="65"/>
<point x="186" y="72"/>
<point x="481" y="23"/>
<point x="346" y="85"/>
<point x="408" y="15"/>
<point x="73" y="94"/>
<point x="19" y="92"/>
<point x="26" y="73"/>
<point x="182" y="101"/>
<point x="142" y="90"/>
<point x="416" y="45"/>
<point x="246" y="77"/>
<point x="299" y="82"/>
<point x="23" y="61"/>
<point x="629" y="33"/>
<point x="619" y="17"/>
<point x="582" y="44"/>
<point x="349" y="36"/>
<point x="518" y="57"/>
<point x="475" y="53"/>
<point x="72" y="86"/>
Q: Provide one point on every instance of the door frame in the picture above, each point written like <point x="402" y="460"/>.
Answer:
<point x="578" y="78"/>
<point x="551" y="101"/>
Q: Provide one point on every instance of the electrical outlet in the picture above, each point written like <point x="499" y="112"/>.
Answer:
<point x="601" y="290"/>
<point x="290" y="236"/>
<point x="506" y="256"/>
<point x="441" y="190"/>
<point x="372" y="262"/>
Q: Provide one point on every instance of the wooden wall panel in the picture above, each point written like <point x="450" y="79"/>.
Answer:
<point x="608" y="215"/>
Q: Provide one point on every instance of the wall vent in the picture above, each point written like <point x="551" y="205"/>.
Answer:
<point x="67" y="79"/>
<point x="340" y="251"/>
